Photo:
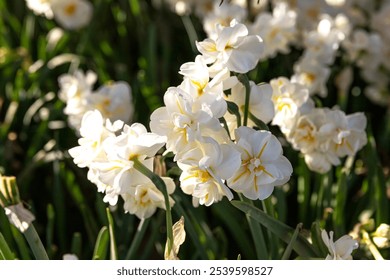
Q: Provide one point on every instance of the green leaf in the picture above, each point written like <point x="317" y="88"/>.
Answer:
<point x="5" y="251"/>
<point x="284" y="232"/>
<point x="101" y="245"/>
<point x="287" y="252"/>
<point x="113" y="249"/>
<point x="317" y="240"/>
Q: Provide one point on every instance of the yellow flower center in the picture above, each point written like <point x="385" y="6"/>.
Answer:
<point x="70" y="9"/>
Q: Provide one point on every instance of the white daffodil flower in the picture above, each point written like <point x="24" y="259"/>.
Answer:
<point x="143" y="200"/>
<point x="260" y="104"/>
<point x="204" y="167"/>
<point x="341" y="249"/>
<point x="41" y="7"/>
<point x="287" y="98"/>
<point x="72" y="14"/>
<point x="114" y="101"/>
<point x="347" y="133"/>
<point x="205" y="93"/>
<point x="312" y="74"/>
<point x="262" y="164"/>
<point x="233" y="49"/>
<point x="277" y="30"/>
<point x="117" y="170"/>
<point x="324" y="135"/>
<point x="74" y="91"/>
<point x="94" y="130"/>
<point x="222" y="14"/>
<point x="181" y="124"/>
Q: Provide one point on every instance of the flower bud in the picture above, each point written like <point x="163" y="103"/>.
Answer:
<point x="9" y="193"/>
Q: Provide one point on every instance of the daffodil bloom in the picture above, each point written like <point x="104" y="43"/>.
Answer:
<point x="262" y="164"/>
<point x="277" y="30"/>
<point x="72" y="14"/>
<point x="222" y="14"/>
<point x="312" y="74"/>
<point x="182" y="124"/>
<point x="74" y="91"/>
<point x="114" y="101"/>
<point x="144" y="199"/>
<point x="233" y="49"/>
<point x="346" y="132"/>
<point x="206" y="94"/>
<point x="118" y="169"/>
<point x="41" y="7"/>
<point x="94" y="131"/>
<point x="204" y="167"/>
<point x="287" y="98"/>
<point x="340" y="249"/>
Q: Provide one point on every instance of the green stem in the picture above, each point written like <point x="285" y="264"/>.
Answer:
<point x="245" y="81"/>
<point x="35" y="243"/>
<point x="137" y="239"/>
<point x="159" y="183"/>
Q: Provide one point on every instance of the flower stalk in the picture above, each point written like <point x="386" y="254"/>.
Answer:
<point x="245" y="81"/>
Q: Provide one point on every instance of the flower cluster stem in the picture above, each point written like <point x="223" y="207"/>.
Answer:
<point x="159" y="183"/>
<point x="245" y="81"/>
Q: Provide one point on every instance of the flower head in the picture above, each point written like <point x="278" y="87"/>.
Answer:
<point x="262" y="164"/>
<point x="72" y="14"/>
<point x="204" y="167"/>
<point x="233" y="49"/>
<point x="144" y="199"/>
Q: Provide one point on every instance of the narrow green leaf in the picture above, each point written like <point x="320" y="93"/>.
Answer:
<point x="76" y="244"/>
<point x="50" y="229"/>
<point x="5" y="251"/>
<point x="35" y="243"/>
<point x="317" y="240"/>
<point x="101" y="245"/>
<point x="138" y="237"/>
<point x="287" y="252"/>
<point x="232" y="217"/>
<point x="284" y="232"/>
<point x="113" y="249"/>
<point x="257" y="233"/>
<point x="21" y="244"/>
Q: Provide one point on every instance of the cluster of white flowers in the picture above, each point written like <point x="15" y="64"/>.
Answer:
<point x="322" y="135"/>
<point x="212" y="164"/>
<point x="114" y="101"/>
<point x="70" y="14"/>
<point x="109" y="150"/>
<point x="324" y="30"/>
